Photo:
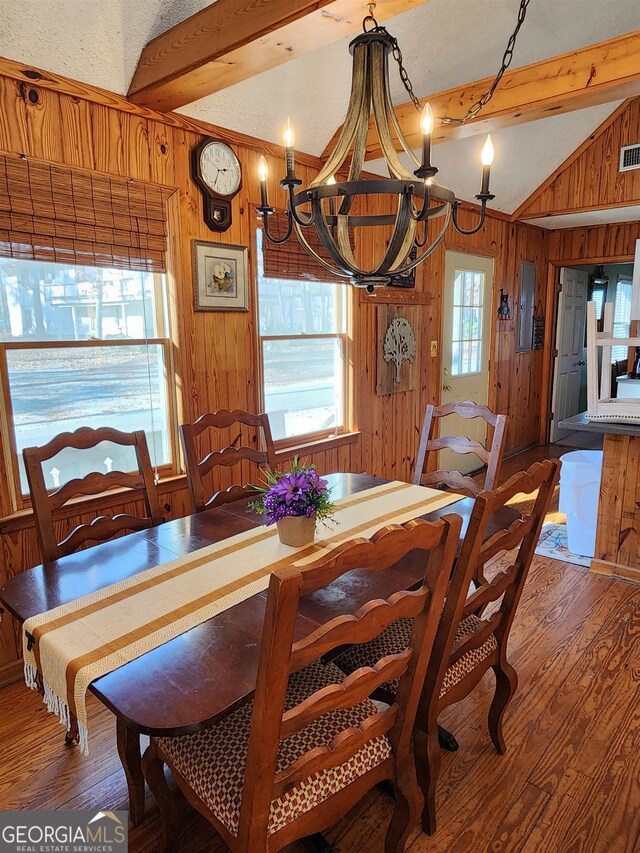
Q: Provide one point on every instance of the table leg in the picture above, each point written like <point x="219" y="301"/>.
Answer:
<point x="129" y="751"/>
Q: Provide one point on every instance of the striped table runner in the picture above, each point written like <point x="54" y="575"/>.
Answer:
<point x="79" y="642"/>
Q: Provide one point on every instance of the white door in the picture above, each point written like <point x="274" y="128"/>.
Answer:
<point x="466" y="342"/>
<point x="569" y="361"/>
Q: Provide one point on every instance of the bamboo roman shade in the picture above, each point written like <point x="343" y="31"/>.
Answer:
<point x="59" y="214"/>
<point x="290" y="260"/>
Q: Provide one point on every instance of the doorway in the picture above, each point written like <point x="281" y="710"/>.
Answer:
<point x="577" y="285"/>
<point x="466" y="337"/>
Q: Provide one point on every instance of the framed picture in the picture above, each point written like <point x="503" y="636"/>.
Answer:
<point x="220" y="277"/>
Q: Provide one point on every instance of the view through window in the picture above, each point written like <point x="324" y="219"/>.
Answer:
<point x="73" y="341"/>
<point x="622" y="317"/>
<point x="303" y="329"/>
<point x="468" y="292"/>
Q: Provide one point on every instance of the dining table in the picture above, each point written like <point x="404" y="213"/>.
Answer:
<point x="205" y="673"/>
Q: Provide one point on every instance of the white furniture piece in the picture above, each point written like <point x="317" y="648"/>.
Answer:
<point x="628" y="389"/>
<point x="600" y="405"/>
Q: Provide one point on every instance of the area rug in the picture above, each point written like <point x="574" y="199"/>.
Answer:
<point x="553" y="544"/>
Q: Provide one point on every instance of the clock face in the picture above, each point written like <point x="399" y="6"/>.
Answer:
<point x="220" y="168"/>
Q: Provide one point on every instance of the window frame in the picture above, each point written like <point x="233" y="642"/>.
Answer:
<point x="344" y="319"/>
<point x="22" y="501"/>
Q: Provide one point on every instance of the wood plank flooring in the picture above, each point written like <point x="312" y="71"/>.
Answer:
<point x="569" y="782"/>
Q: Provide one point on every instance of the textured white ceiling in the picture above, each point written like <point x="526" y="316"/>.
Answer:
<point x="445" y="43"/>
<point x="589" y="217"/>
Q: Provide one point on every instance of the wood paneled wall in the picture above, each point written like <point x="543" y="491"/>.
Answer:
<point x="595" y="244"/>
<point x="592" y="180"/>
<point x="215" y="353"/>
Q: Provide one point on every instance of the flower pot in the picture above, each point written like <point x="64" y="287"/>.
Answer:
<point x="296" y="531"/>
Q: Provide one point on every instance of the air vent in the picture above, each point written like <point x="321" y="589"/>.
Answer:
<point x="630" y="157"/>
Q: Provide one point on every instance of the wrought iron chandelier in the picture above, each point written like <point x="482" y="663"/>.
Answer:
<point x="335" y="208"/>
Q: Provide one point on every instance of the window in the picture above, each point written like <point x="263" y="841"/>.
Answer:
<point x="83" y="327"/>
<point x="84" y="346"/>
<point x="302" y="344"/>
<point x="468" y="294"/>
<point x="622" y="317"/>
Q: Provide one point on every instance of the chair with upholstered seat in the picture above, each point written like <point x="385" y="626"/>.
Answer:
<point x="311" y="743"/>
<point x="474" y="630"/>
<point x="492" y="456"/>
<point x="47" y="504"/>
<point x="198" y="468"/>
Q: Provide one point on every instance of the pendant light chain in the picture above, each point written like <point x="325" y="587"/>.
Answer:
<point x="473" y="111"/>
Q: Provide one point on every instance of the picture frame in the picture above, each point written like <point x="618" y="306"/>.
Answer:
<point x="220" y="276"/>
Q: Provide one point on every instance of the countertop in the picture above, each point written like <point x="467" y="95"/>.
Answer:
<point x="580" y="423"/>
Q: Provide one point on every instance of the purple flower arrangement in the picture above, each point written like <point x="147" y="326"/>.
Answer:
<point x="297" y="492"/>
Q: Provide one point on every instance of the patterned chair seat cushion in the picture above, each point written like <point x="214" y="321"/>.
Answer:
<point x="213" y="761"/>
<point x="396" y="638"/>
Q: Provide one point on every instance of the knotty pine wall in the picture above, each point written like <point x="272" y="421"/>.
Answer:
<point x="215" y="353"/>
<point x="592" y="180"/>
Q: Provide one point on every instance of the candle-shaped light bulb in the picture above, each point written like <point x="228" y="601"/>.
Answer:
<point x="487" y="152"/>
<point x="427" y="120"/>
<point x="487" y="160"/>
<point x="289" y="134"/>
<point x="289" y="137"/>
<point x="331" y="181"/>
<point x="263" y="174"/>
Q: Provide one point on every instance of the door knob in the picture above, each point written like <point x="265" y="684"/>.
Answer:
<point x="446" y="387"/>
<point x="581" y="363"/>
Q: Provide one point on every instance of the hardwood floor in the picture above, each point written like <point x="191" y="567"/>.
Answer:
<point x="569" y="782"/>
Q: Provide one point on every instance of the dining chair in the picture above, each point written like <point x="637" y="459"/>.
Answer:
<point x="47" y="504"/>
<point x="492" y="456"/>
<point x="474" y="629"/>
<point x="199" y="467"/>
<point x="294" y="760"/>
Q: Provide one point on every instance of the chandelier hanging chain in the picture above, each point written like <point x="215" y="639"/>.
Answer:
<point x="473" y="110"/>
<point x="507" y="58"/>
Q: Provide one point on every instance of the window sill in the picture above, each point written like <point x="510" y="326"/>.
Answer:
<point x="322" y="444"/>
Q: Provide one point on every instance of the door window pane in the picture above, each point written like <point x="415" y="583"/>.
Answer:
<point x="303" y="385"/>
<point x="468" y="294"/>
<point x="59" y="389"/>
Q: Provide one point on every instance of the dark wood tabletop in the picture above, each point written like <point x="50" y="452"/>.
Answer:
<point x="208" y="671"/>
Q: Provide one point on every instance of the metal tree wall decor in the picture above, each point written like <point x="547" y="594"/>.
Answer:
<point x="337" y="208"/>
<point x="399" y="344"/>
<point x="397" y="349"/>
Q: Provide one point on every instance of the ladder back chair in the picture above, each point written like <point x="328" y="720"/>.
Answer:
<point x="474" y="629"/>
<point x="198" y="468"/>
<point x="48" y="504"/>
<point x="492" y="457"/>
<point x="294" y="760"/>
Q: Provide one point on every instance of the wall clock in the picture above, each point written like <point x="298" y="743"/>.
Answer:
<point x="218" y="173"/>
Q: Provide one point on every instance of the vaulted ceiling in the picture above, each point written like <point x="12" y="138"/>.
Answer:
<point x="445" y="43"/>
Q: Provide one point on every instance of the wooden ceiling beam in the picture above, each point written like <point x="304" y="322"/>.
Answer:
<point x="596" y="74"/>
<point x="232" y="40"/>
